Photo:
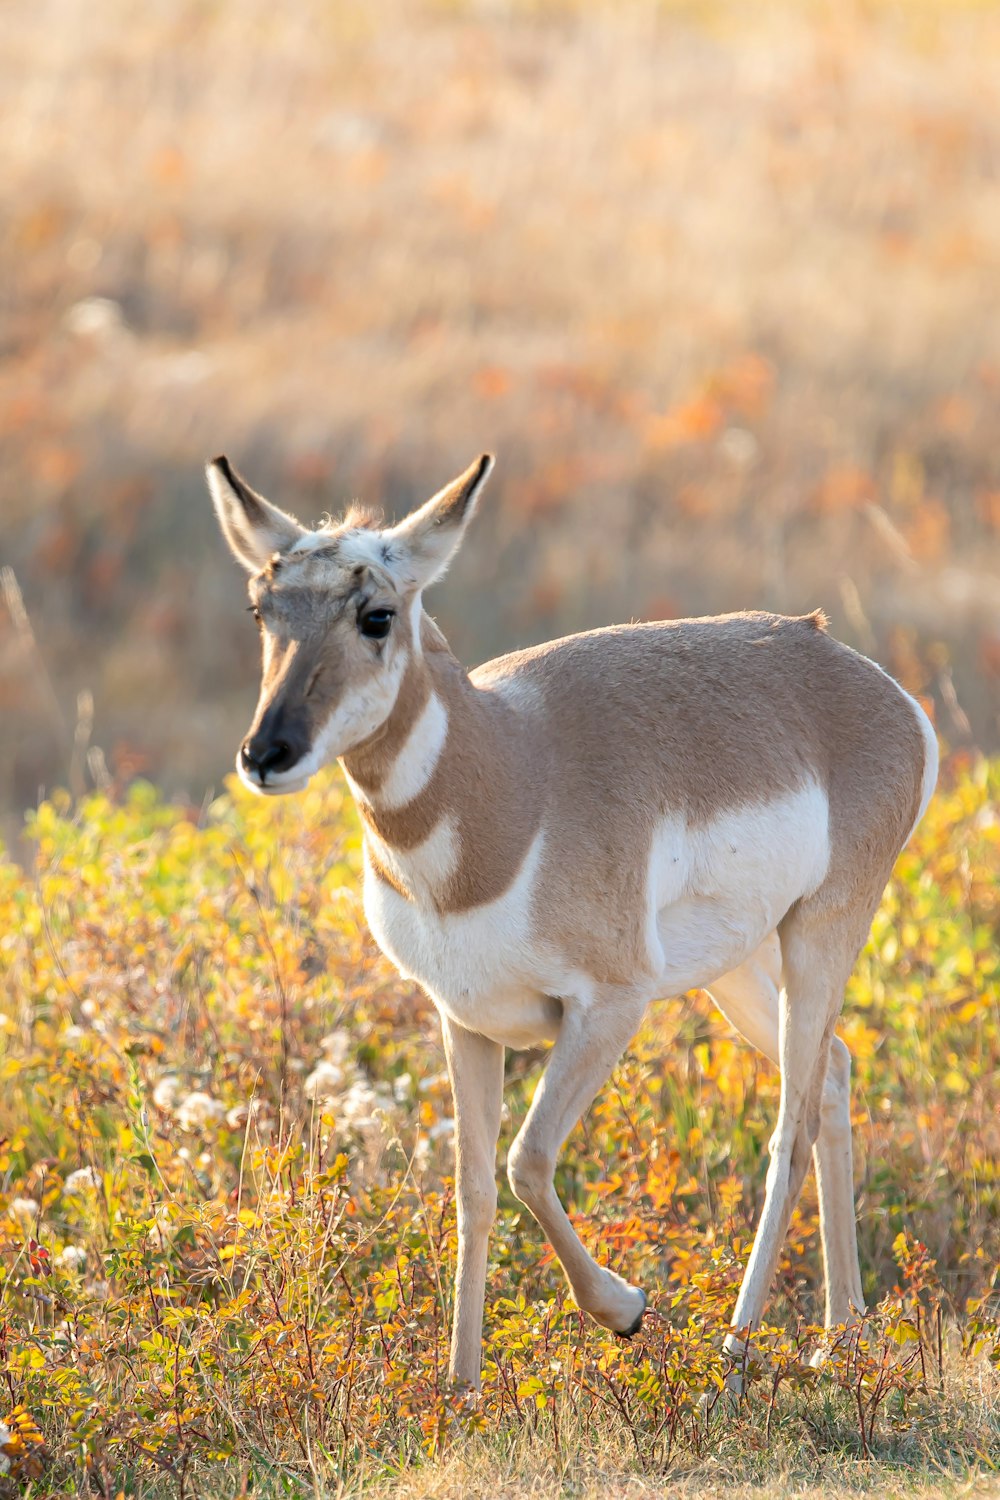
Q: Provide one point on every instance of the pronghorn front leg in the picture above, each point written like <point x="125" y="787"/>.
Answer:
<point x="591" y="1039"/>
<point x="475" y="1066"/>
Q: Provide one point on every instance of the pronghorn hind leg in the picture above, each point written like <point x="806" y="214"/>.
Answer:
<point x="749" y="998"/>
<point x="819" y="946"/>
<point x="833" y="1155"/>
<point x="475" y="1066"/>
<point x="589" y="1044"/>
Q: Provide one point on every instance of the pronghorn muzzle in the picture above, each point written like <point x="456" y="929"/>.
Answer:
<point x="278" y="743"/>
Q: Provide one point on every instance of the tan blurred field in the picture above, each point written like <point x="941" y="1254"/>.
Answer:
<point x="719" y="283"/>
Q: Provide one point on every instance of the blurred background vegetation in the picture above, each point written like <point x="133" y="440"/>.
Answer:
<point x="717" y="282"/>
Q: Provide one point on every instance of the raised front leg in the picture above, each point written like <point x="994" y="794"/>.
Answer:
<point x="589" y="1044"/>
<point x="475" y="1066"/>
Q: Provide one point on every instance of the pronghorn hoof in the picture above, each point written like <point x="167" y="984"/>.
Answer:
<point x="633" y="1328"/>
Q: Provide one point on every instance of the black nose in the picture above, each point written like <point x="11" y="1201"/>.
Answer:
<point x="277" y="742"/>
<point x="267" y="755"/>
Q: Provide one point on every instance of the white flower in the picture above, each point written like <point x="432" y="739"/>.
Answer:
<point x="323" y="1081"/>
<point x="166" y="1091"/>
<point x="73" y="1257"/>
<point x="95" y="318"/>
<point x="402" y="1088"/>
<point x="441" y="1130"/>
<point x="23" y="1208"/>
<point x="335" y="1046"/>
<point x="357" y="1106"/>
<point x="81" y="1182"/>
<point x="5" y="1437"/>
<point x="197" y="1110"/>
<point x="248" y="1109"/>
<point x="739" y="446"/>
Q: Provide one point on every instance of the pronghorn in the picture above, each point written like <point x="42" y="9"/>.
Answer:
<point x="569" y="832"/>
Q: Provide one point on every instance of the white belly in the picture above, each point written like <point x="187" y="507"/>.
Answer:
<point x="715" y="892"/>
<point x="480" y="967"/>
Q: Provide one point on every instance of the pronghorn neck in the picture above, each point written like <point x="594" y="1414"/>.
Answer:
<point x="442" y="781"/>
<point x="391" y="768"/>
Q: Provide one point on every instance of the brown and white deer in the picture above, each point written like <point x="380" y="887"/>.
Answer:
<point x="569" y="832"/>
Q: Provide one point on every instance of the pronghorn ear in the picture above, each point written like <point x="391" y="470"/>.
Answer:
<point x="429" y="538"/>
<point x="254" y="528"/>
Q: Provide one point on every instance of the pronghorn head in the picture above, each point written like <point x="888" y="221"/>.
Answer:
<point x="339" y="615"/>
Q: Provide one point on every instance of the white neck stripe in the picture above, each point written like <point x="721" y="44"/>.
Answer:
<point x="417" y="760"/>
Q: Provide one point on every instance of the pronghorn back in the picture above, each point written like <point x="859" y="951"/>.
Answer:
<point x="694" y="716"/>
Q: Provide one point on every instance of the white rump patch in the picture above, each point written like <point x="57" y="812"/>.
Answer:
<point x="716" y="891"/>
<point x="931" y="756"/>
<point x="418" y="756"/>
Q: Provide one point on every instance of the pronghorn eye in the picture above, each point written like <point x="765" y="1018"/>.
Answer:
<point x="253" y="610"/>
<point x="376" y="624"/>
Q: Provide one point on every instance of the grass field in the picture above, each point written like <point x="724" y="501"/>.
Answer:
<point x="227" y="1228"/>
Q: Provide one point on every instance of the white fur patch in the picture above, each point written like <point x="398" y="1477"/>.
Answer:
<point x="359" y="548"/>
<point x="931" y="756"/>
<point x="276" y="785"/>
<point x="715" y="892"/>
<point x="426" y="869"/>
<point x="309" y="541"/>
<point x="480" y="966"/>
<point x="418" y="756"/>
<point x="416" y="616"/>
<point x="362" y="548"/>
